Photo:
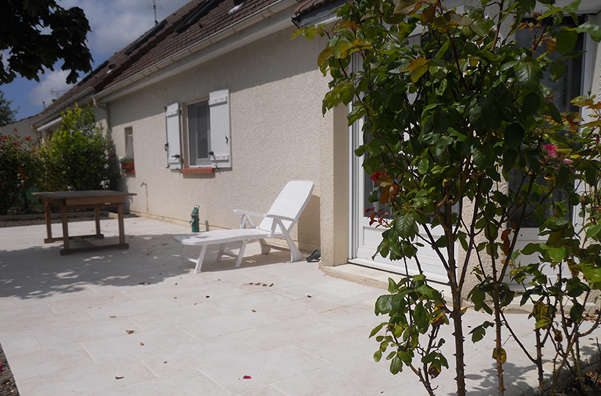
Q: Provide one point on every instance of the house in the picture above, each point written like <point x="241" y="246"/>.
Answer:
<point x="219" y="108"/>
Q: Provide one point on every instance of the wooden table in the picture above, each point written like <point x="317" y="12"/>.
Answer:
<point x="67" y="200"/>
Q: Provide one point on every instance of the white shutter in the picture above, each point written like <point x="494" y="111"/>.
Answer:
<point x="219" y="110"/>
<point x="173" y="146"/>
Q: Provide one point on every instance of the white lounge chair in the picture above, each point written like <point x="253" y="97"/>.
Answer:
<point x="277" y="223"/>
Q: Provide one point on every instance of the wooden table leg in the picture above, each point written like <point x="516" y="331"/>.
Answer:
<point x="121" y="226"/>
<point x="64" y="219"/>
<point x="48" y="222"/>
<point x="97" y="219"/>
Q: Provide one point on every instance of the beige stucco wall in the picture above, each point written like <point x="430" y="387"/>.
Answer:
<point x="22" y="128"/>
<point x="276" y="127"/>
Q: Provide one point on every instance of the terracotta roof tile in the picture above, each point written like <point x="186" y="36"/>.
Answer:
<point x="159" y="46"/>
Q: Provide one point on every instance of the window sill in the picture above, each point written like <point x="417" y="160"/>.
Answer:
<point x="198" y="171"/>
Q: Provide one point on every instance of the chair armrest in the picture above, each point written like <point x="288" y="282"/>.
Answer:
<point x="278" y="217"/>
<point x="246" y="212"/>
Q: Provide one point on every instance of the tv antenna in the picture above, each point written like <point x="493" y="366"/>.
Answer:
<point x="155" y="7"/>
<point x="57" y="92"/>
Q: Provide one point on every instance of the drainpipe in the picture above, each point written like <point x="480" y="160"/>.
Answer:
<point x="109" y="131"/>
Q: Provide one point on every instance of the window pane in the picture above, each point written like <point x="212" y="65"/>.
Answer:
<point x="198" y="133"/>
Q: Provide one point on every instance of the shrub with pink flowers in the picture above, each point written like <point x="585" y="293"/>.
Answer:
<point x="19" y="167"/>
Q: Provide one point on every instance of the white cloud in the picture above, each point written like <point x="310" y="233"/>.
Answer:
<point x="117" y="23"/>
<point x="50" y="81"/>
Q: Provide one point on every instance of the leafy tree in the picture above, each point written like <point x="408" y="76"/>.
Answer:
<point x="7" y="115"/>
<point x="35" y="34"/>
<point x="461" y="135"/>
<point x="78" y="156"/>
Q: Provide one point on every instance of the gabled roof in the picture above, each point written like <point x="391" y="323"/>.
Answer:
<point x="193" y="22"/>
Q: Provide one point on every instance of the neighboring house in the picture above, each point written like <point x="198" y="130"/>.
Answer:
<point x="22" y="128"/>
<point x="219" y="108"/>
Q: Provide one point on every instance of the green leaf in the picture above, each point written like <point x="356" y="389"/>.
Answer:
<point x="591" y="274"/>
<point x="378" y="355"/>
<point x="377" y="329"/>
<point x="592" y="29"/>
<point x="396" y="365"/>
<point x="531" y="104"/>
<point x="324" y="55"/>
<point x="423" y="166"/>
<point x="514" y="133"/>
<point x="554" y="113"/>
<point x="576" y="311"/>
<point x="405" y="226"/>
<point x="594" y="231"/>
<point x="557" y="70"/>
<point x="422" y="320"/>
<point x="557" y="254"/>
<point x="528" y="73"/>
<point x="383" y="304"/>
<point x="566" y="40"/>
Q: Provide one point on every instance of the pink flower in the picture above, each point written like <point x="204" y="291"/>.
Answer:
<point x="551" y="149"/>
<point x="567" y="161"/>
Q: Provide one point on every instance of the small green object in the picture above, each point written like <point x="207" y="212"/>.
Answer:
<point x="194" y="221"/>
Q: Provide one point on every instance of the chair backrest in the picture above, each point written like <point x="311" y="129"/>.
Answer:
<point x="290" y="203"/>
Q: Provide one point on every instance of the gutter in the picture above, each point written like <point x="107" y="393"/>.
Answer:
<point x="109" y="131"/>
<point x="216" y="37"/>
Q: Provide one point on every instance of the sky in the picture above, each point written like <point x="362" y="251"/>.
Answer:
<point x="114" y="24"/>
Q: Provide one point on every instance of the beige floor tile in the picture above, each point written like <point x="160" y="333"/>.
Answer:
<point x="85" y="379"/>
<point x="169" y="360"/>
<point x="88" y="302"/>
<point x="128" y="308"/>
<point x="356" y="377"/>
<point x="292" y="331"/>
<point x="263" y="391"/>
<point x="49" y="361"/>
<point x="333" y="346"/>
<point x="217" y="325"/>
<point x="137" y="342"/>
<point x="20" y="343"/>
<point x="182" y="314"/>
<point x="263" y="368"/>
<point x="87" y="332"/>
<point x="188" y="382"/>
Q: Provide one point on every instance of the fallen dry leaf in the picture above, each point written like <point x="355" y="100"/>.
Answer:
<point x="308" y="296"/>
<point x="112" y="316"/>
<point x="247" y="377"/>
<point x="164" y="362"/>
<point x="145" y="283"/>
<point x="175" y="297"/>
<point x="271" y="285"/>
<point x="254" y="310"/>
<point x="141" y="344"/>
<point x="175" y="283"/>
<point x="195" y="303"/>
<point x="264" y="284"/>
<point x="207" y="296"/>
<point x="118" y="377"/>
<point x="129" y="331"/>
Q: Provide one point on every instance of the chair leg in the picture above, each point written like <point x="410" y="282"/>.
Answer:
<point x="201" y="257"/>
<point x="239" y="259"/>
<point x="265" y="249"/>
<point x="221" y="249"/>
<point x="181" y="256"/>
<point x="295" y="254"/>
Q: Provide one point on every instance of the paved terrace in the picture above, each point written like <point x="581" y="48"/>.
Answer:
<point x="136" y="322"/>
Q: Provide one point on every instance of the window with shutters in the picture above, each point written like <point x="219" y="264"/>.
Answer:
<point x="205" y="140"/>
